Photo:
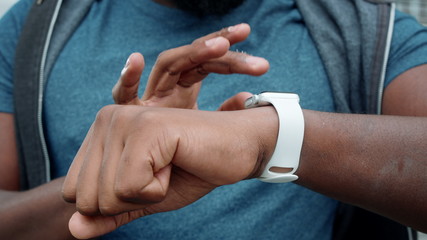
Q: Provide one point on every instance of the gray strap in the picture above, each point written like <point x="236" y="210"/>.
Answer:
<point x="26" y="88"/>
<point x="352" y="57"/>
<point x="27" y="72"/>
<point x="71" y="14"/>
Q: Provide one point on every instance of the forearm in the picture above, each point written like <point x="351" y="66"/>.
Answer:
<point x="376" y="162"/>
<point x="40" y="213"/>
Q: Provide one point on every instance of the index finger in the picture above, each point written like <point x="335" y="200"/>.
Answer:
<point x="233" y="34"/>
<point x="170" y="64"/>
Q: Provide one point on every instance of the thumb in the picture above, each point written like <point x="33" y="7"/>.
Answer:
<point x="126" y="89"/>
<point x="85" y="227"/>
<point x="237" y="102"/>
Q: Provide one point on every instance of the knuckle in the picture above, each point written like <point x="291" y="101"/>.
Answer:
<point x="121" y="116"/>
<point x="200" y="69"/>
<point x="109" y="210"/>
<point x="104" y="114"/>
<point x="237" y="56"/>
<point x="140" y="194"/>
<point x="197" y="42"/>
<point x="163" y="54"/>
<point x="125" y="190"/>
<point x="171" y="70"/>
<point x="223" y="32"/>
<point x="163" y="57"/>
<point x="165" y="62"/>
<point x="149" y="116"/>
<point x="69" y="197"/>
<point x="87" y="209"/>
<point x="126" y="194"/>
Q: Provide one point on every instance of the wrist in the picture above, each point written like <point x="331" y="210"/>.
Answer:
<point x="285" y="158"/>
<point x="265" y="123"/>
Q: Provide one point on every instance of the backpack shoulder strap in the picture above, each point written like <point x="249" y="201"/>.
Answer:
<point x="352" y="42"/>
<point x="48" y="26"/>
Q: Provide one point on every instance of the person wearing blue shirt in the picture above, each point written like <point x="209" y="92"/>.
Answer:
<point x="376" y="162"/>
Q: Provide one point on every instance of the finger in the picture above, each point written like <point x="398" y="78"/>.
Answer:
<point x="171" y="63"/>
<point x="138" y="195"/>
<point x="126" y="89"/>
<point x="129" y="176"/>
<point x="108" y="202"/>
<point x="114" y="156"/>
<point x="85" y="227"/>
<point x="235" y="62"/>
<point x="87" y="182"/>
<point x="184" y="97"/>
<point x="237" y="102"/>
<point x="230" y="63"/>
<point x="234" y="34"/>
<point x="142" y="180"/>
<point x="70" y="183"/>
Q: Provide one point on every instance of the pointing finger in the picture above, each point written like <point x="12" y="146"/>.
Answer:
<point x="172" y="63"/>
<point x="126" y="89"/>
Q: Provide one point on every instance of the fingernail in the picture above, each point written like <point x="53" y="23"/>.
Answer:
<point x="125" y="68"/>
<point x="212" y="42"/>
<point x="233" y="28"/>
<point x="251" y="60"/>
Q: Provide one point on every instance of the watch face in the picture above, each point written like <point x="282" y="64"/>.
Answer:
<point x="252" y="102"/>
<point x="265" y="98"/>
<point x="280" y="95"/>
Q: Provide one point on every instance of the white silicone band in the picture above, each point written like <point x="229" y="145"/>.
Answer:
<point x="290" y="137"/>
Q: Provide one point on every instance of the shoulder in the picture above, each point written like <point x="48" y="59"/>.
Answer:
<point x="10" y="29"/>
<point x="11" y="23"/>
<point x="408" y="46"/>
<point x="17" y="14"/>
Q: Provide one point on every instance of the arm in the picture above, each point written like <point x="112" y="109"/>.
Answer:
<point x="41" y="208"/>
<point x="44" y="206"/>
<point x="9" y="171"/>
<point x="362" y="152"/>
<point x="375" y="162"/>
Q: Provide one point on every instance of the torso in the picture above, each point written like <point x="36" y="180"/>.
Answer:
<point x="81" y="85"/>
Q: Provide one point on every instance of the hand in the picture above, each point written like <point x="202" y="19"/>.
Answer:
<point x="176" y="77"/>
<point x="135" y="161"/>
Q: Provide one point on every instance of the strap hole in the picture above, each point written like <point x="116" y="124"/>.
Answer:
<point x="280" y="170"/>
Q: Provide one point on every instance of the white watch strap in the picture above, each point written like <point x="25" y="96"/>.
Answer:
<point x="285" y="159"/>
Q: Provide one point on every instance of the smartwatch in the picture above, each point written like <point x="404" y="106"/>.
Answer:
<point x="285" y="159"/>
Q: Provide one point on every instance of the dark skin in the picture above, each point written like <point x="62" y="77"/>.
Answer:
<point x="342" y="142"/>
<point x="375" y="162"/>
<point x="388" y="178"/>
<point x="45" y="204"/>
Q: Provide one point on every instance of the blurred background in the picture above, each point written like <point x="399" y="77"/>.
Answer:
<point x="417" y="8"/>
<point x="5" y="5"/>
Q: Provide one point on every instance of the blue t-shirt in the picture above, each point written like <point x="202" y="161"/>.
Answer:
<point x="81" y="80"/>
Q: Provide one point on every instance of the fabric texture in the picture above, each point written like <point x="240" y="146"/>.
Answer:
<point x="80" y="84"/>
<point x="417" y="8"/>
<point x="352" y="40"/>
